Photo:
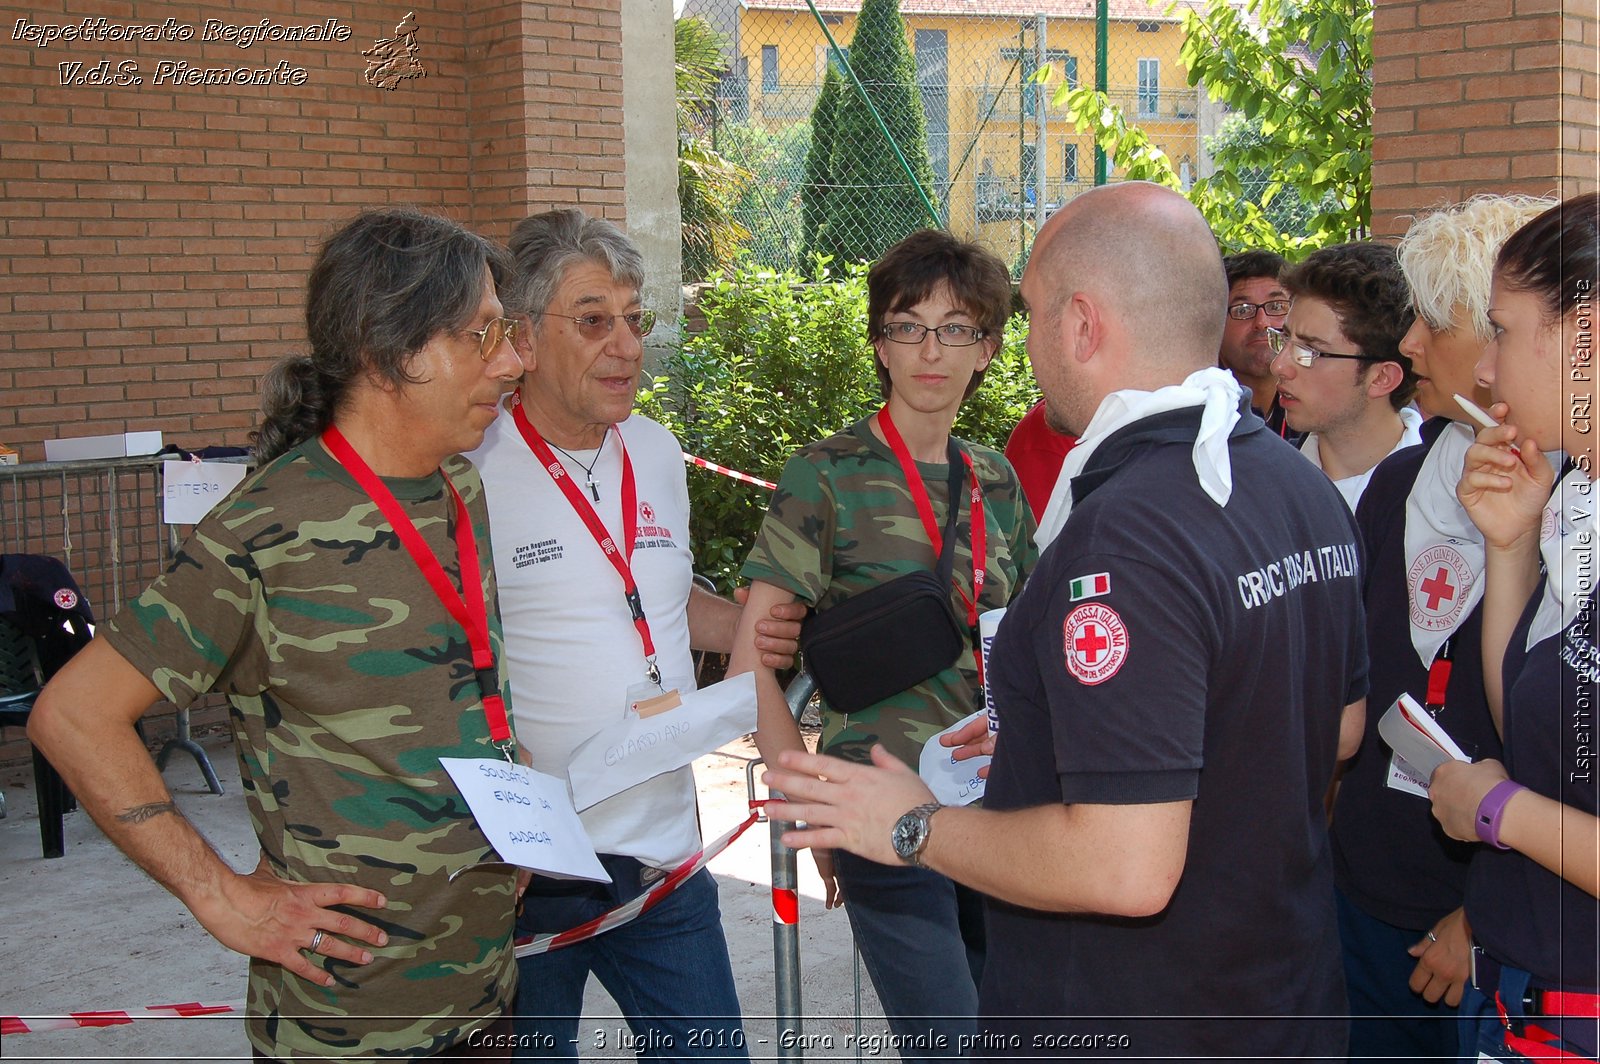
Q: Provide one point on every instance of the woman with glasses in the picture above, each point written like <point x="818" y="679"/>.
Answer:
<point x="867" y="506"/>
<point x="1399" y="879"/>
<point x="1531" y="895"/>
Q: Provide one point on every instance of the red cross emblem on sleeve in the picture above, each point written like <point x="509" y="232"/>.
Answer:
<point x="1438" y="583"/>
<point x="1095" y="643"/>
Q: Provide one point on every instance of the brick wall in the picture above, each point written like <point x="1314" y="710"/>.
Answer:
<point x="154" y="237"/>
<point x="1480" y="96"/>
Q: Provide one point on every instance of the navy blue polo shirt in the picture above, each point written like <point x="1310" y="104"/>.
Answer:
<point x="1521" y="913"/>
<point x="1390" y="856"/>
<point x="1169" y="649"/>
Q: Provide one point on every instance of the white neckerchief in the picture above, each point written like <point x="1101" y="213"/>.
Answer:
<point x="1213" y="388"/>
<point x="1444" y="549"/>
<point x="1567" y="541"/>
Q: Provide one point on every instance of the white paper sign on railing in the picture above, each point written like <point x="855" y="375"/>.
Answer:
<point x="190" y="489"/>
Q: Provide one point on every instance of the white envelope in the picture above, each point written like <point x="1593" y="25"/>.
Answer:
<point x="527" y="816"/>
<point x="952" y="782"/>
<point x="631" y="751"/>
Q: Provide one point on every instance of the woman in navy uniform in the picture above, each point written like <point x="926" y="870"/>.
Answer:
<point x="1531" y="896"/>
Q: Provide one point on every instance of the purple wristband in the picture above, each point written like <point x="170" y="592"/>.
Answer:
<point x="1492" y="808"/>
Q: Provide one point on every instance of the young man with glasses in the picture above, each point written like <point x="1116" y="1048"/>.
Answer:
<point x="570" y="472"/>
<point x="1257" y="301"/>
<point x="1341" y="377"/>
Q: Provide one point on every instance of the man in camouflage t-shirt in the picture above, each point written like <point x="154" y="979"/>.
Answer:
<point x="347" y="675"/>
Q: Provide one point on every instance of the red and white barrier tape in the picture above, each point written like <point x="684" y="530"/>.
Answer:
<point x="630" y="911"/>
<point x="725" y="471"/>
<point x="622" y="914"/>
<point x="10" y="1025"/>
<point x="785" y="906"/>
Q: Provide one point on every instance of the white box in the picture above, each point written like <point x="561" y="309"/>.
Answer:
<point x="117" y="445"/>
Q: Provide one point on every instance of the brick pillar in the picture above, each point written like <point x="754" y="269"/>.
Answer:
<point x="1481" y="96"/>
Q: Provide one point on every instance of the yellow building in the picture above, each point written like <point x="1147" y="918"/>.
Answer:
<point x="986" y="125"/>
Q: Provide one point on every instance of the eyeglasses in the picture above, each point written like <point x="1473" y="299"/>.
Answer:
<point x="951" y="335"/>
<point x="1275" y="308"/>
<point x="490" y="335"/>
<point x="599" y="326"/>
<point x="1301" y="355"/>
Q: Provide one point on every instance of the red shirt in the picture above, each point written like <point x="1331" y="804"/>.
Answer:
<point x="1035" y="451"/>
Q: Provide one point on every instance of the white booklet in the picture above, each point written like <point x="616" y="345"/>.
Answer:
<point x="1416" y="738"/>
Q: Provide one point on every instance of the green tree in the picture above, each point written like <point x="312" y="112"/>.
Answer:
<point x="872" y="202"/>
<point x="819" y="168"/>
<point x="1305" y="80"/>
<point x="709" y="185"/>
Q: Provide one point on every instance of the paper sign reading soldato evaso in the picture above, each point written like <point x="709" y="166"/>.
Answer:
<point x="527" y="816"/>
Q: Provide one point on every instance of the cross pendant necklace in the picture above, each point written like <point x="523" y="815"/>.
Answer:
<point x="588" y="470"/>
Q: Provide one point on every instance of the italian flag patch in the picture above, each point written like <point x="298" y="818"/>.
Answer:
<point x="1092" y="586"/>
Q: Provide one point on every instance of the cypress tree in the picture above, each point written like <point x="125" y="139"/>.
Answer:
<point x="872" y="203"/>
<point x="819" y="169"/>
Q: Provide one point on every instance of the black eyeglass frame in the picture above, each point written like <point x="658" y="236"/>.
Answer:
<point x="1278" y="340"/>
<point x="1234" y="308"/>
<point x="940" y="333"/>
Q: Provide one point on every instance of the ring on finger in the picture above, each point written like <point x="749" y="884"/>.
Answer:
<point x="316" y="940"/>
<point x="1432" y="937"/>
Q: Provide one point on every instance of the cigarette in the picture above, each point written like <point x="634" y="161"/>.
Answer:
<point x="1481" y="416"/>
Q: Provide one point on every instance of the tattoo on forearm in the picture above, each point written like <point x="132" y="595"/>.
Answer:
<point x="140" y="813"/>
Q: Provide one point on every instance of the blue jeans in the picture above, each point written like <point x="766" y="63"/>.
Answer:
<point x="668" y="971"/>
<point x="1388" y="1021"/>
<point x="922" y="938"/>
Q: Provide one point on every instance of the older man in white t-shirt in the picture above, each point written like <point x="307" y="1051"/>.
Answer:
<point x="590" y="629"/>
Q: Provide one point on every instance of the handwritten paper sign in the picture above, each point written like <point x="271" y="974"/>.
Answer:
<point x="527" y="816"/>
<point x="190" y="489"/>
<point x="952" y="782"/>
<point x="639" y="748"/>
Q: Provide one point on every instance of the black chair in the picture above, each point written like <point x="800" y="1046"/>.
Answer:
<point x="44" y="621"/>
<point x="20" y="681"/>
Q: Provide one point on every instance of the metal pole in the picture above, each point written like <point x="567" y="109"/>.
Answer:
<point x="786" y="905"/>
<point x="1022" y="136"/>
<point x="1041" y="167"/>
<point x="1101" y="22"/>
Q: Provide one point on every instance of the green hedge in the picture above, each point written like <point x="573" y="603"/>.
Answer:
<point x="783" y="362"/>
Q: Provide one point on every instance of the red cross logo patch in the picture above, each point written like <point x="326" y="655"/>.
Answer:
<point x="1094" y="643"/>
<point x="66" y="598"/>
<point x="647" y="513"/>
<point x="1438" y="583"/>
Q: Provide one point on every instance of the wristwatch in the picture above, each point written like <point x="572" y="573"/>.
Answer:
<point x="912" y="832"/>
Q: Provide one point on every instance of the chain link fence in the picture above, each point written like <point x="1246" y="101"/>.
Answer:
<point x="996" y="153"/>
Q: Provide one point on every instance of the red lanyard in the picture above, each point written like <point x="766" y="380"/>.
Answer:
<point x="1439" y="679"/>
<point x="620" y="559"/>
<point x="469" y="612"/>
<point x="919" y="496"/>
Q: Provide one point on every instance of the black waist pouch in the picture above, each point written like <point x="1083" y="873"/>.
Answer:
<point x="890" y="637"/>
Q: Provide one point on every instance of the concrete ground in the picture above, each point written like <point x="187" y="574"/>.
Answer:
<point x="89" y="931"/>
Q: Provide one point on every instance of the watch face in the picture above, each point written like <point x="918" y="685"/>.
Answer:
<point x="908" y="835"/>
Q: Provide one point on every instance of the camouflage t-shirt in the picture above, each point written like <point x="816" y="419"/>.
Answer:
<point x="347" y="682"/>
<point x="842" y="521"/>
